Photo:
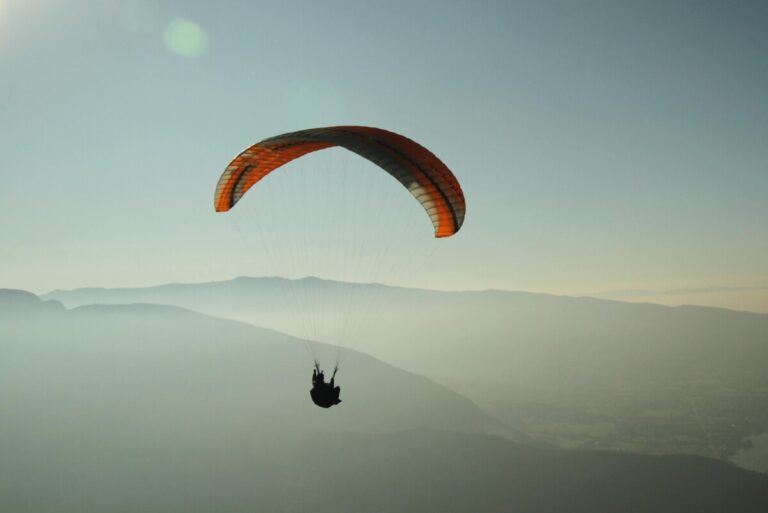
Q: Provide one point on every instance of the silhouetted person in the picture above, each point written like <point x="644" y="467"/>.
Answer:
<point x="324" y="394"/>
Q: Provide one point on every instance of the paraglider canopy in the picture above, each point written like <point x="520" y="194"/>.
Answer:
<point x="426" y="177"/>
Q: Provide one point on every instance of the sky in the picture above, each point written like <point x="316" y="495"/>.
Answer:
<point x="606" y="148"/>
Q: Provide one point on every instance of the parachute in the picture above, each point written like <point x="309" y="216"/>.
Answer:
<point x="426" y="177"/>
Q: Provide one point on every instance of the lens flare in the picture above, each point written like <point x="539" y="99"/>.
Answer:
<point x="185" y="38"/>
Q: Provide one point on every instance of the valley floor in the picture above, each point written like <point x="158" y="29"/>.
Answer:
<point x="712" y="416"/>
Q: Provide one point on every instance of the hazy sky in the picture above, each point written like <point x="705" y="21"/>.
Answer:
<point x="604" y="147"/>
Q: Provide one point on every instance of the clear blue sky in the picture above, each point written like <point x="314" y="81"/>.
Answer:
<point x="604" y="146"/>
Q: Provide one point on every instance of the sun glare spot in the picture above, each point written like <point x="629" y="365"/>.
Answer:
<point x="185" y="38"/>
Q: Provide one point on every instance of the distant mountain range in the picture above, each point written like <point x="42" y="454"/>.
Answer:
<point x="193" y="359"/>
<point x="578" y="372"/>
<point x="752" y="297"/>
<point x="154" y="408"/>
<point x="13" y="300"/>
<point x="487" y="336"/>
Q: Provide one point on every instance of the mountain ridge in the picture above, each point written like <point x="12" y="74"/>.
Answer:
<point x="266" y="279"/>
<point x="548" y="361"/>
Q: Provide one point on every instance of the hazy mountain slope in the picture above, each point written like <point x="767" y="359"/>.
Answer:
<point x="156" y="409"/>
<point x="21" y="300"/>
<point x="530" y="339"/>
<point x="210" y="369"/>
<point x="579" y="372"/>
